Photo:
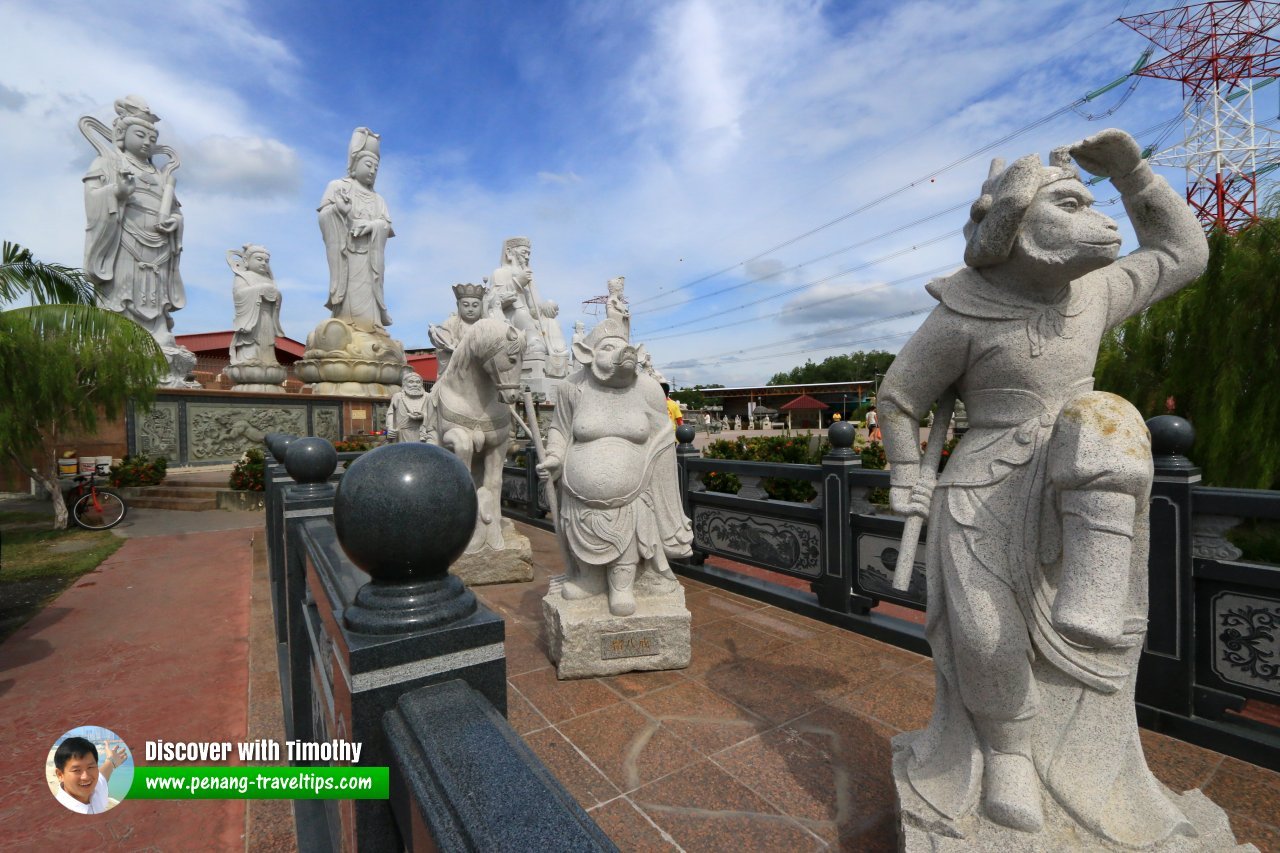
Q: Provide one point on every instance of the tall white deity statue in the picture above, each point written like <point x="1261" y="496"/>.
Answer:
<point x="351" y="353"/>
<point x="133" y="236"/>
<point x="469" y="299"/>
<point x="355" y="224"/>
<point x="257" y="321"/>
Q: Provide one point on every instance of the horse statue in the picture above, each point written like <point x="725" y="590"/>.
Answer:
<point x="470" y="415"/>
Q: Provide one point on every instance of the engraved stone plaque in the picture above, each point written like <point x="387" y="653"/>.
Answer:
<point x="630" y="644"/>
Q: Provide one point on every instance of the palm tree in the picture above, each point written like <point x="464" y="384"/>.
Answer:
<point x="63" y="364"/>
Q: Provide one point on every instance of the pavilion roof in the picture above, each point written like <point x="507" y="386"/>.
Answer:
<point x="804" y="401"/>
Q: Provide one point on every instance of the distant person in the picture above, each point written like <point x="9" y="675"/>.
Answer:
<point x="873" y="425"/>
<point x="82" y="783"/>
<point x="673" y="408"/>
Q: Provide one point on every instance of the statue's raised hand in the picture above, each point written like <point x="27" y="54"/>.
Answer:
<point x="1109" y="154"/>
<point x="124" y="184"/>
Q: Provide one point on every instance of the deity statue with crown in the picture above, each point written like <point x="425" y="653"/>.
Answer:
<point x="351" y="353"/>
<point x="448" y="335"/>
<point x="133" y="236"/>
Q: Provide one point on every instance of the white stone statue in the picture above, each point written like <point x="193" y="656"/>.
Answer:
<point x="133" y="236"/>
<point x="615" y="306"/>
<point x="408" y="410"/>
<point x="558" y="357"/>
<point x="579" y="331"/>
<point x="356" y="225"/>
<point x="737" y="422"/>
<point x="1037" y="527"/>
<point x="469" y="413"/>
<point x="257" y="321"/>
<point x="612" y="451"/>
<point x="610" y="454"/>
<point x="514" y="299"/>
<point x="446" y="336"/>
<point x="351" y="353"/>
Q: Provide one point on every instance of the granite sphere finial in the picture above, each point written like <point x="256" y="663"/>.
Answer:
<point x="280" y="446"/>
<point x="685" y="434"/>
<point x="841" y="435"/>
<point x="404" y="512"/>
<point x="310" y="460"/>
<point x="1170" y="435"/>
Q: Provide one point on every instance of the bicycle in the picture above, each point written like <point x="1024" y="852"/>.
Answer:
<point x="95" y="508"/>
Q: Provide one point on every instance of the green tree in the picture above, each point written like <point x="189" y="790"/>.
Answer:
<point x="854" y="367"/>
<point x="1213" y="349"/>
<point x="64" y="363"/>
<point x="696" y="398"/>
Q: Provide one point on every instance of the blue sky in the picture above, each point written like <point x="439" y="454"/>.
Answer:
<point x="663" y="141"/>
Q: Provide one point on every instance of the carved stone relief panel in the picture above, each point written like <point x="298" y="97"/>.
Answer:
<point x="515" y="488"/>
<point x="1246" y="640"/>
<point x="327" y="423"/>
<point x="157" y="431"/>
<point x="221" y="432"/>
<point x="877" y="558"/>
<point x="775" y="543"/>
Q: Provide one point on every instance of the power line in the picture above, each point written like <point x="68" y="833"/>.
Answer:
<point x="792" y="290"/>
<point x="840" y="251"/>
<point x="791" y="341"/>
<point x="876" y="201"/>
<point x="828" y="301"/>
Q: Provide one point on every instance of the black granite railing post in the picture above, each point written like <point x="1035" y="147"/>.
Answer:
<point x="310" y="463"/>
<point x="834" y="587"/>
<point x="1166" y="673"/>
<point x="533" y="507"/>
<point x="274" y="479"/>
<point x="384" y="616"/>
<point x="684" y="452"/>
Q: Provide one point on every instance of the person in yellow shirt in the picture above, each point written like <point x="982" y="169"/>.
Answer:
<point x="673" y="408"/>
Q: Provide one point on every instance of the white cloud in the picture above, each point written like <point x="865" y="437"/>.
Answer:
<point x="248" y="167"/>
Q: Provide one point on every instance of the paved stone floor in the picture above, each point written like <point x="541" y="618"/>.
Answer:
<point x="775" y="738"/>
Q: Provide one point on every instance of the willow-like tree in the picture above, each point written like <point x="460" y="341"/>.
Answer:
<point x="64" y="365"/>
<point x="1215" y="349"/>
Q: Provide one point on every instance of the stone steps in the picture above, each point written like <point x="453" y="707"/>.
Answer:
<point x="199" y="504"/>
<point x="176" y="490"/>
<point x="193" y="493"/>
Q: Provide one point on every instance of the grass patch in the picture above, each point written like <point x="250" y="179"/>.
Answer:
<point x="11" y="518"/>
<point x="37" y="565"/>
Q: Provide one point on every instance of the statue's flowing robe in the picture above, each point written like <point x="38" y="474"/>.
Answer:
<point x="644" y="520"/>
<point x="133" y="264"/>
<point x="1014" y="363"/>
<point x="257" y="320"/>
<point x="356" y="264"/>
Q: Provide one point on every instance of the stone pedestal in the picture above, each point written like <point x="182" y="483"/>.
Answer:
<point x="924" y="830"/>
<point x="262" y="377"/>
<point x="513" y="564"/>
<point x="587" y="641"/>
<point x="343" y="360"/>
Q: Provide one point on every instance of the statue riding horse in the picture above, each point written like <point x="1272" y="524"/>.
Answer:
<point x="471" y="415"/>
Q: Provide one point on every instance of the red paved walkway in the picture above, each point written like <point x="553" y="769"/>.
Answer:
<point x="152" y="645"/>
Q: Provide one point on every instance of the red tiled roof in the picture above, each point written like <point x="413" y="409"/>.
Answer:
<point x="804" y="401"/>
